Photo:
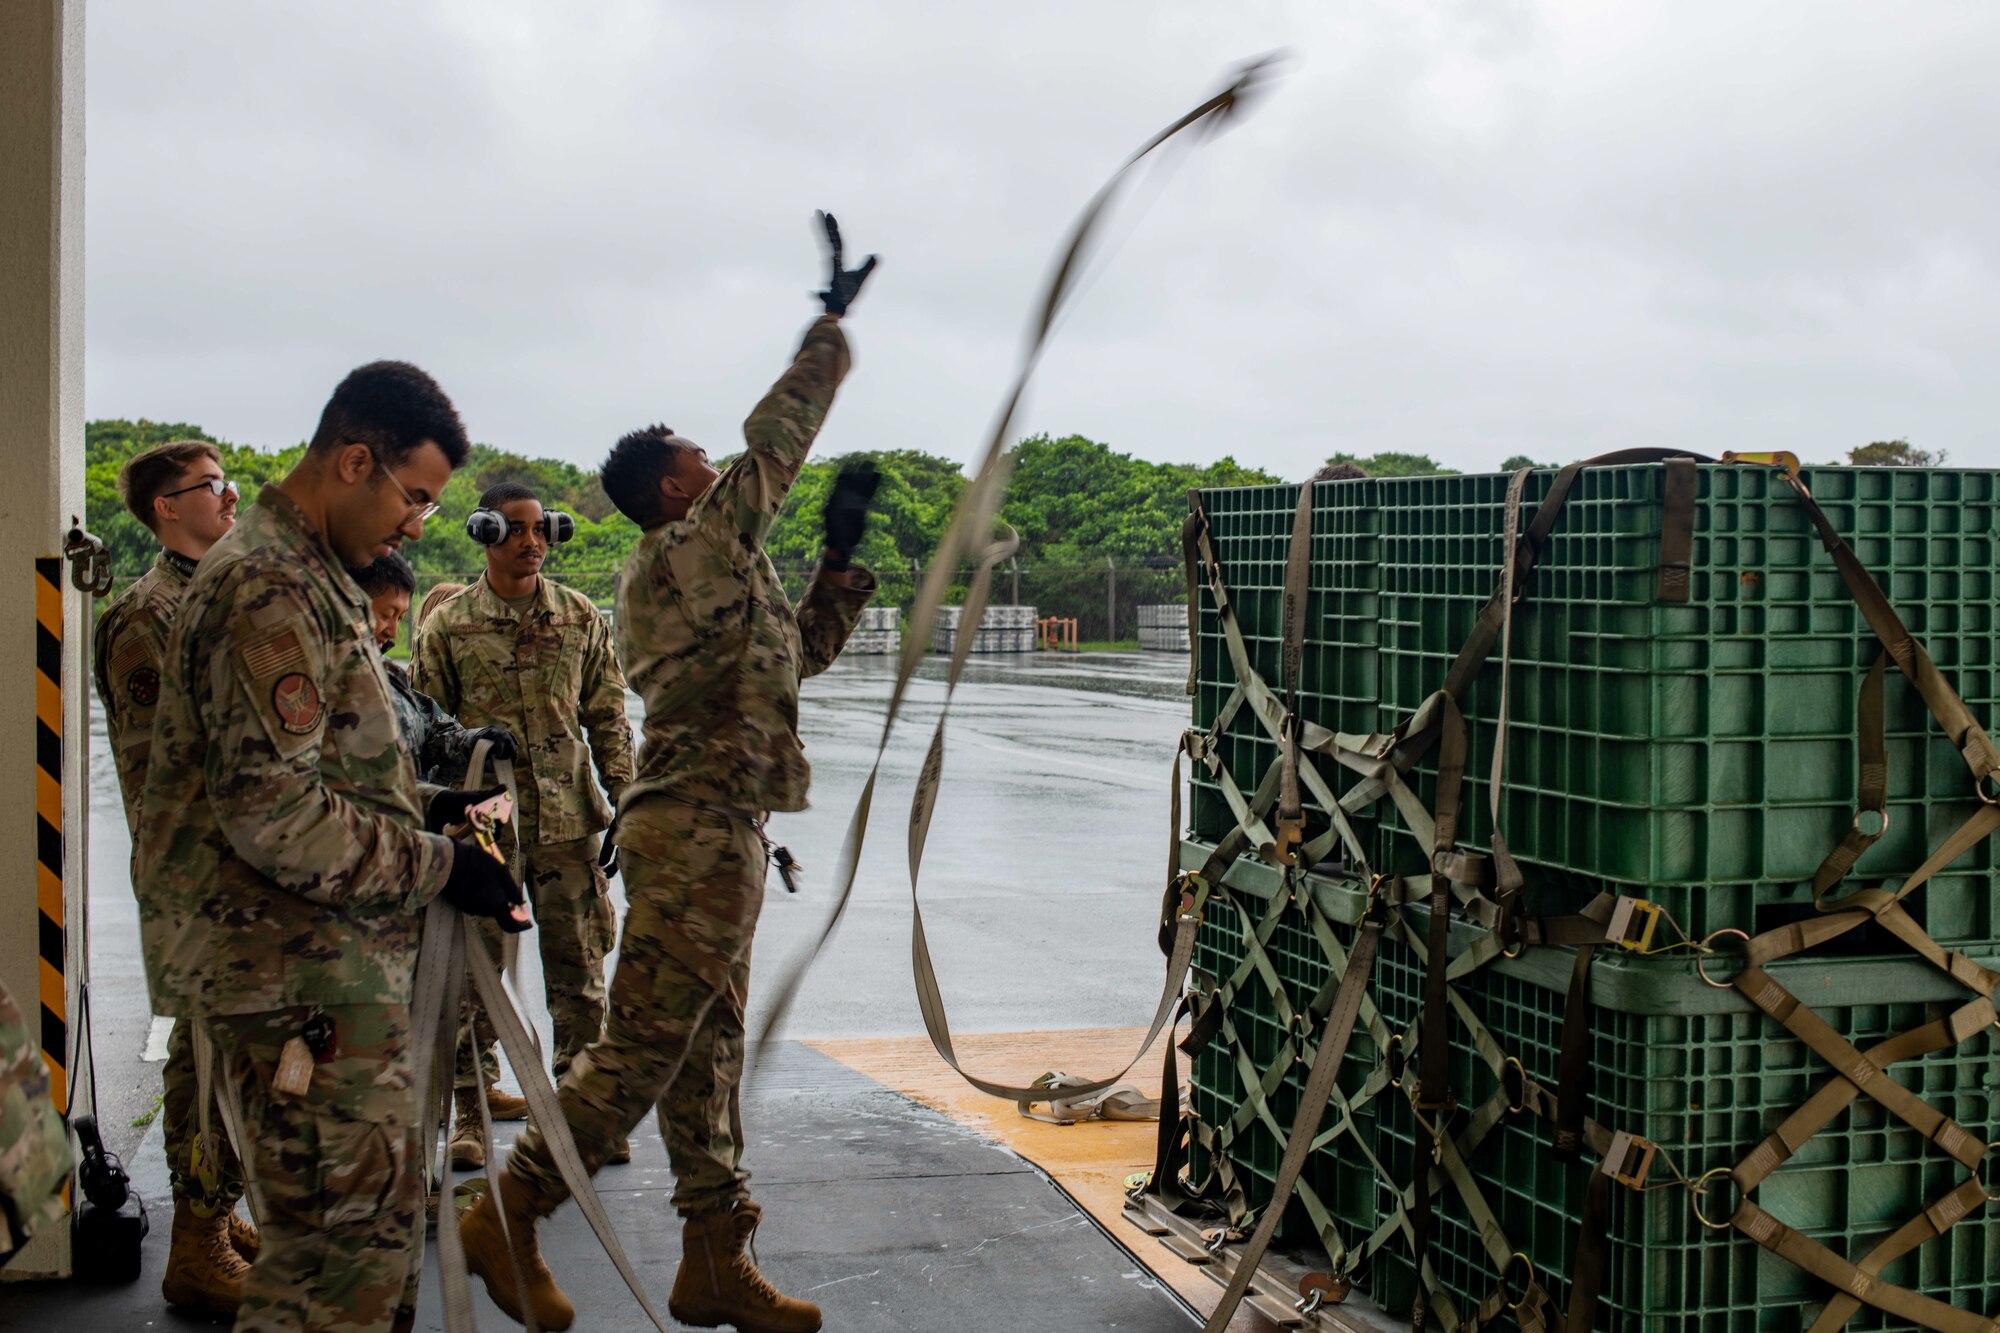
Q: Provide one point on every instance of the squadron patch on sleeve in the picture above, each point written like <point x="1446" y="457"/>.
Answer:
<point x="295" y="699"/>
<point x="143" y="687"/>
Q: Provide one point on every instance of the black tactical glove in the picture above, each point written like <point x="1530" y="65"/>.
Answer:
<point x="847" y="510"/>
<point x="503" y="746"/>
<point x="845" y="284"/>
<point x="448" y="808"/>
<point x="480" y="886"/>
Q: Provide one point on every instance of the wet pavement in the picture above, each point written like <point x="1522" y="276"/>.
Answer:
<point x="1041" y="883"/>
<point x="1040" y="887"/>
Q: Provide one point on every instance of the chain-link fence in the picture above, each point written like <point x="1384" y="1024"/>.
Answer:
<point x="1103" y="597"/>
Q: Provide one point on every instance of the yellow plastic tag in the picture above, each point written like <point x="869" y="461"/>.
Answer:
<point x="295" y="1068"/>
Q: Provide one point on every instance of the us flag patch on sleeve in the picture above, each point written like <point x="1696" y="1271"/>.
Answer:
<point x="280" y="652"/>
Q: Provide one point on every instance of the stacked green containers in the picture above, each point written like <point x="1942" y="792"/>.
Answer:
<point x="1700" y="755"/>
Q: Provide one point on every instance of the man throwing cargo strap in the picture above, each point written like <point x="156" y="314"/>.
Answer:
<point x="710" y="642"/>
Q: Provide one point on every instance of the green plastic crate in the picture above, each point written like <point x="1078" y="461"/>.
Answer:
<point x="1340" y="1175"/>
<point x="1652" y="746"/>
<point x="1691" y="1067"/>
<point x="1250" y="528"/>
<point x="1707" y="1088"/>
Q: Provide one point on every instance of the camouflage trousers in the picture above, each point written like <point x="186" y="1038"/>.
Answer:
<point x="338" y="1172"/>
<point x="206" y="1175"/>
<point x="694" y="884"/>
<point x="576" y="930"/>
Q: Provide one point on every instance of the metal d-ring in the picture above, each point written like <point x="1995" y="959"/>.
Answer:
<point x="1515" y="1105"/>
<point x="1882" y="815"/>
<point x="1987" y="788"/>
<point x="1701" y="956"/>
<point x="1695" y="1192"/>
<point x="1507" y="1288"/>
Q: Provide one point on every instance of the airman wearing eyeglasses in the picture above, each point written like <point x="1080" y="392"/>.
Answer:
<point x="287" y="857"/>
<point x="178" y="491"/>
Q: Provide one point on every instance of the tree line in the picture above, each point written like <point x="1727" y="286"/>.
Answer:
<point x="1074" y="501"/>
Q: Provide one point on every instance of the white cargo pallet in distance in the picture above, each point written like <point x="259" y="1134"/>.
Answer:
<point x="874" y="642"/>
<point x="1163" y="615"/>
<point x="1163" y="639"/>
<point x="880" y="618"/>
<point x="1003" y="629"/>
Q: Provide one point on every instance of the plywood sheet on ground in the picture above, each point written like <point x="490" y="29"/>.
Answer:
<point x="1090" y="1160"/>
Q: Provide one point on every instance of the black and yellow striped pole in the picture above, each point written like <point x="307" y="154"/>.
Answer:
<point x="49" y="900"/>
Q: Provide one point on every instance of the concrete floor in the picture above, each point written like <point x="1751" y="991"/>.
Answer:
<point x="1041" y="883"/>
<point x="886" y="1214"/>
<point x="1040" y="886"/>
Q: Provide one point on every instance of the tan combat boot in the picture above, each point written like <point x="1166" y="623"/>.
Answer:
<point x="243" y="1238"/>
<point x="486" y="1257"/>
<point x="505" y="1105"/>
<point x="468" y="1151"/>
<point x="718" y="1282"/>
<point x="204" y="1272"/>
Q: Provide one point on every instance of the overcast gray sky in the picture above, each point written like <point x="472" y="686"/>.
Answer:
<point x="1465" y="229"/>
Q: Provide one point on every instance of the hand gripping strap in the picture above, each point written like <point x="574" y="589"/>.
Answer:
<point x="451" y="949"/>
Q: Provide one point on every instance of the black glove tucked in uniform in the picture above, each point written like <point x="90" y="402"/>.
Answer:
<point x="480" y="886"/>
<point x="847" y="510"/>
<point x="845" y="284"/>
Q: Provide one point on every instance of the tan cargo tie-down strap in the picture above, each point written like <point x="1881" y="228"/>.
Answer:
<point x="1858" y="1073"/>
<point x="451" y="951"/>
<point x="1382" y="761"/>
<point x="1334" y="1040"/>
<point x="968" y="537"/>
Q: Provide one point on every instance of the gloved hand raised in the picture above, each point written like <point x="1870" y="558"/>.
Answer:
<point x="845" y="284"/>
<point x="501" y="740"/>
<point x="480" y="886"/>
<point x="847" y="510"/>
<point x="448" y="808"/>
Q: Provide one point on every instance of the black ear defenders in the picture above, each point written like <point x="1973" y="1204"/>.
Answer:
<point x="488" y="527"/>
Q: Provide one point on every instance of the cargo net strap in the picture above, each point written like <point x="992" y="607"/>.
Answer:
<point x="1487" y="890"/>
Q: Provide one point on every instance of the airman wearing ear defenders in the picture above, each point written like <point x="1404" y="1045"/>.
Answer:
<point x="515" y="650"/>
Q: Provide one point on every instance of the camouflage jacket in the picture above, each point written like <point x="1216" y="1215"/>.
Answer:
<point x="34" y="1144"/>
<point x="129" y="644"/>
<point x="280" y="857"/>
<point x="439" y="745"/>
<point x="548" y="676"/>
<point x="704" y="630"/>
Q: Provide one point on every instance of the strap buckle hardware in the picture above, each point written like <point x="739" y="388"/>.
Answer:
<point x="1781" y="458"/>
<point x="1194" y="896"/>
<point x="1213" y="1240"/>
<point x="1623" y="915"/>
<point x="1986" y="787"/>
<point x="1629" y="1159"/>
<point x="1319" y="1289"/>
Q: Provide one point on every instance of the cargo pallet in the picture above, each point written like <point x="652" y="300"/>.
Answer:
<point x="1716" y="726"/>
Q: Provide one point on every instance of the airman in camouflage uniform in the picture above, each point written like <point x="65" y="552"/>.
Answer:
<point x="282" y="862"/>
<point x="717" y="652"/>
<point x="539" y="662"/>
<point x="178" y="491"/>
<point x="441" y="748"/>
<point x="34" y="1145"/>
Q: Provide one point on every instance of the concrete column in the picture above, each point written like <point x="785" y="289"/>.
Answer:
<point x="43" y="675"/>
